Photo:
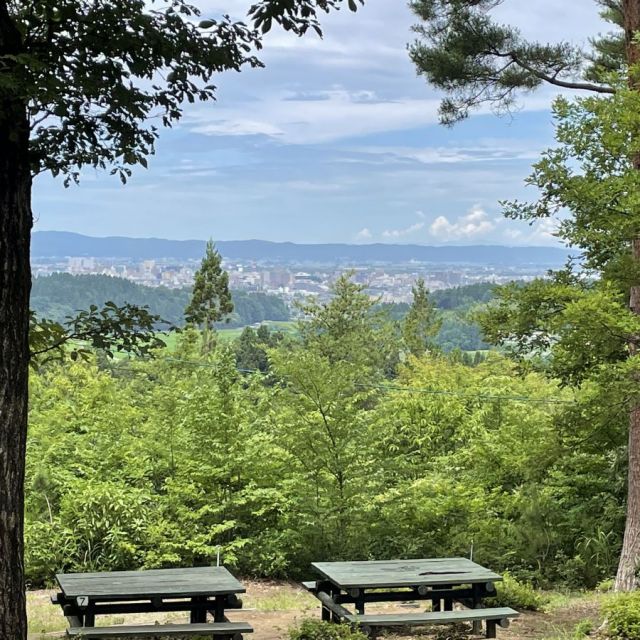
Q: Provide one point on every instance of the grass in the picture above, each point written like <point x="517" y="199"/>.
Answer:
<point x="283" y="598"/>
<point x="226" y="335"/>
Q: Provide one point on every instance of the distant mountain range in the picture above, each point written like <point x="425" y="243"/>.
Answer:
<point x="59" y="244"/>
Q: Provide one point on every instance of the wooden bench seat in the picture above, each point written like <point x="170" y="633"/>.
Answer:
<point x="310" y="586"/>
<point x="498" y="616"/>
<point x="232" y="629"/>
<point x="432" y="617"/>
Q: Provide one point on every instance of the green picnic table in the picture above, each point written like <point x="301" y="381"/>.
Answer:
<point x="197" y="591"/>
<point x="442" y="581"/>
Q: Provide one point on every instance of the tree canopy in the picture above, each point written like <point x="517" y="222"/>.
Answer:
<point x="477" y="60"/>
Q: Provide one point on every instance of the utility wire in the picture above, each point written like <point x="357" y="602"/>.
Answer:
<point x="385" y="387"/>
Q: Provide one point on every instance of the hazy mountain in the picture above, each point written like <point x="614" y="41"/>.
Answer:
<point x="63" y="244"/>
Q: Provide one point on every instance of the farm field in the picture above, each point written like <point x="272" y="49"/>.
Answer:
<point x="273" y="607"/>
<point x="228" y="335"/>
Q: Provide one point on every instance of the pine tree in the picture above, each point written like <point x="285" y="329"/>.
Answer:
<point x="422" y="322"/>
<point x="211" y="299"/>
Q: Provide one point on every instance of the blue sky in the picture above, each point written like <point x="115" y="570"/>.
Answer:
<point x="335" y="141"/>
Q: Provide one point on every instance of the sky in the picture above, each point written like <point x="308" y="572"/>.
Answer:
<point x="336" y="140"/>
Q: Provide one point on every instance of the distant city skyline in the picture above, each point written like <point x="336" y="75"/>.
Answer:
<point x="335" y="141"/>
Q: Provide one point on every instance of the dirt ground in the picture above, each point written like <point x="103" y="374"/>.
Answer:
<point x="272" y="608"/>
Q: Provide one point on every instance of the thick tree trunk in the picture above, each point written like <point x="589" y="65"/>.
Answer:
<point x="626" y="578"/>
<point x="15" y="284"/>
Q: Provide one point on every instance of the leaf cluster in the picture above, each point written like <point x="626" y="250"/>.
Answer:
<point x="478" y="61"/>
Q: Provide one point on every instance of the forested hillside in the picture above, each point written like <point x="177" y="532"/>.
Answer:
<point x="347" y="447"/>
<point x="62" y="294"/>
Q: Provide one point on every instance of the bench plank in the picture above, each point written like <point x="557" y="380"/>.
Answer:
<point x="150" y="630"/>
<point x="433" y="617"/>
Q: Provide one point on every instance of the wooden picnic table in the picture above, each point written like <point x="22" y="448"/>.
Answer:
<point x="197" y="591"/>
<point x="443" y="581"/>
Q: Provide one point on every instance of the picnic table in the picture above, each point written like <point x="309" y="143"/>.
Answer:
<point x="197" y="591"/>
<point x="442" y="581"/>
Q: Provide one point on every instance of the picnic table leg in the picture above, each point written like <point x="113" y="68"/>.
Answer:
<point x="72" y="615"/>
<point x="491" y="628"/>
<point x="198" y="612"/>
<point x="218" y="611"/>
<point x="334" y="616"/>
<point x="89" y="618"/>
<point x="448" y="600"/>
<point x="477" y="604"/>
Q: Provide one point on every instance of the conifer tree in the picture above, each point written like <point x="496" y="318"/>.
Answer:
<point x="211" y="299"/>
<point x="421" y="323"/>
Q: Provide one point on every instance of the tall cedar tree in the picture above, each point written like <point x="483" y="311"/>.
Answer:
<point x="422" y="322"/>
<point x="211" y="299"/>
<point x="78" y="81"/>
<point x="476" y="61"/>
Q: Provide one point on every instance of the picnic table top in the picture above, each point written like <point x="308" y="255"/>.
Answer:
<point x="154" y="583"/>
<point x="373" y="574"/>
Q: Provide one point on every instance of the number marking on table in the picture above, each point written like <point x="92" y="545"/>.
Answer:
<point x="82" y="601"/>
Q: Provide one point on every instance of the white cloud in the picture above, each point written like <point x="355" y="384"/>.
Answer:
<point x="544" y="230"/>
<point x="472" y="225"/>
<point x="399" y="233"/>
<point x="297" y="120"/>
<point x="364" y="234"/>
<point x="512" y="234"/>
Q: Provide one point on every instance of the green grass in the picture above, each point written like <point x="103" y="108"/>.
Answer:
<point x="284" y="599"/>
<point x="228" y="335"/>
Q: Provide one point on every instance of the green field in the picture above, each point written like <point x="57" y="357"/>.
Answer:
<point x="228" y="335"/>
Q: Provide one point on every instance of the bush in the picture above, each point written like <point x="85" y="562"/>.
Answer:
<point x="311" y="629"/>
<point x="605" y="585"/>
<point x="622" y="613"/>
<point x="582" y="629"/>
<point x="519" y="595"/>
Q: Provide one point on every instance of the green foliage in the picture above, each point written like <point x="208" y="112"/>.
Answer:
<point x="606" y="585"/>
<point x="323" y="458"/>
<point x="582" y="629"/>
<point x="477" y="60"/>
<point x="112" y="329"/>
<point x="210" y="299"/>
<point x="352" y="328"/>
<point x="517" y="595"/>
<point x="252" y="345"/>
<point x="311" y="629"/>
<point x="421" y="323"/>
<point x="622" y="613"/>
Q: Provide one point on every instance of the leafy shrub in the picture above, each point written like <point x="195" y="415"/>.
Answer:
<point x="622" y="613"/>
<point x="582" y="629"/>
<point x="311" y="629"/>
<point x="605" y="585"/>
<point x="519" y="595"/>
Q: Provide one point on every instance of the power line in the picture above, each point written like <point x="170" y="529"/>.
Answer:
<point x="386" y="387"/>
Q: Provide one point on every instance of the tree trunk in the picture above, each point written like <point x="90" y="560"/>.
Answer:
<point x="626" y="578"/>
<point x="15" y="285"/>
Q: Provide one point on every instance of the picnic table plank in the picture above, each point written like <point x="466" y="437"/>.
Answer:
<point x="153" y="583"/>
<point x="373" y="574"/>
<point x="433" y="617"/>
<point x="120" y="631"/>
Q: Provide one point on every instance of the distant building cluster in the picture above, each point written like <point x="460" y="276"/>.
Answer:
<point x="390" y="283"/>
